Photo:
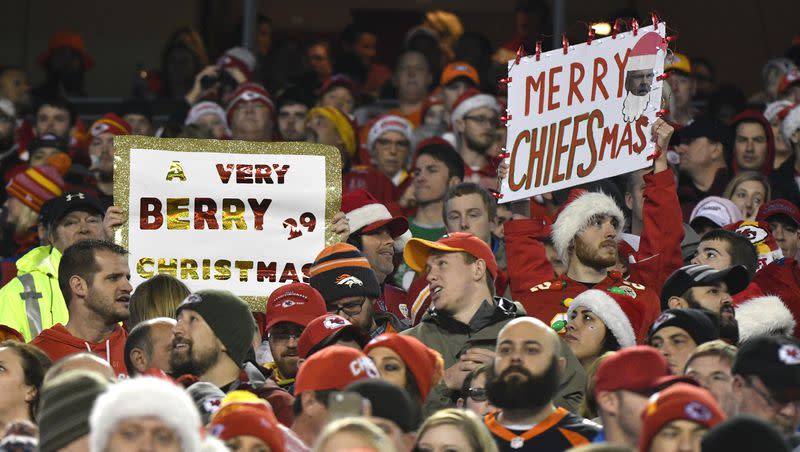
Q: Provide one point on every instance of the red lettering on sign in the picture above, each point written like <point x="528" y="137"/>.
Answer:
<point x="553" y="88"/>
<point x="561" y="148"/>
<point x="575" y="141"/>
<point x="574" y="82"/>
<point x="621" y="65"/>
<point x="534" y="84"/>
<point x="597" y="78"/>
<point x="594" y="116"/>
<point x="150" y="208"/>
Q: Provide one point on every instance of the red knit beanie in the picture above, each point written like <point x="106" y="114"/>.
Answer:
<point x="425" y="364"/>
<point x="35" y="186"/>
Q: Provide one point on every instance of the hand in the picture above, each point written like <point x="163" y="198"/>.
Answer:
<point x="502" y="170"/>
<point x="197" y="92"/>
<point x="467" y="362"/>
<point x="114" y="218"/>
<point x="480" y="356"/>
<point x="662" y="132"/>
<point x="408" y="199"/>
<point x="341" y="225"/>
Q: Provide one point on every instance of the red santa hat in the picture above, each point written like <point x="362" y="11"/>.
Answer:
<point x="621" y="314"/>
<point x="239" y="58"/>
<point x="367" y="214"/>
<point x="789" y="79"/>
<point x="774" y="108"/>
<point x="389" y="123"/>
<point x="575" y="215"/>
<point x="248" y="92"/>
<point x="643" y="53"/>
<point x="764" y="315"/>
<point x="470" y="100"/>
<point x="790" y="122"/>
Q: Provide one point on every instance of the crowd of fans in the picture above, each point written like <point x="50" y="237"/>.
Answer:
<point x="653" y="311"/>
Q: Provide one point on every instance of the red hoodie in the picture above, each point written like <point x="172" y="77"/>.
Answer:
<point x="57" y="343"/>
<point x="753" y="115"/>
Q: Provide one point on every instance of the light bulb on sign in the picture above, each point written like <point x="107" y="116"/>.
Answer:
<point x="602" y="28"/>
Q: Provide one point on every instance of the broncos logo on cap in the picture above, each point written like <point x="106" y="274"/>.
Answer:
<point x="348" y="280"/>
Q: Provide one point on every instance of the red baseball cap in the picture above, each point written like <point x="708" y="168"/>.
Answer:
<point x="779" y="207"/>
<point x="680" y="401"/>
<point x="297" y="303"/>
<point x="325" y="330"/>
<point x="333" y="368"/>
<point x="637" y="369"/>
<point x="417" y="250"/>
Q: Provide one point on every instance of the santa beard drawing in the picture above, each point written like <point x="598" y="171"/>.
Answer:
<point x="637" y="85"/>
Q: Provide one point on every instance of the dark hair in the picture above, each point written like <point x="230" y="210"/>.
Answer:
<point x="489" y="280"/>
<point x="139" y="337"/>
<point x="741" y="250"/>
<point x="471" y="188"/>
<point x="60" y="103"/>
<point x="610" y="343"/>
<point x="412" y="388"/>
<point x="352" y="32"/>
<point x="80" y="260"/>
<point x="34" y="366"/>
<point x="476" y="372"/>
<point x="445" y="153"/>
<point x="321" y="396"/>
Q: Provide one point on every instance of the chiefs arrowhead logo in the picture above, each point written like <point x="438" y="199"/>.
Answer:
<point x="349" y="281"/>
<point x="697" y="411"/>
<point x="334" y="322"/>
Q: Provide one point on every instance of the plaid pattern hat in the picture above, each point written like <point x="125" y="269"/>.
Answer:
<point x="229" y="318"/>
<point x="341" y="271"/>
<point x="35" y="186"/>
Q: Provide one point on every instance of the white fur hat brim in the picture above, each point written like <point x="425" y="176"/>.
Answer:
<point x="476" y="101"/>
<point x="764" y="315"/>
<point x="576" y="216"/>
<point x="790" y="124"/>
<point x="144" y="397"/>
<point x="610" y="313"/>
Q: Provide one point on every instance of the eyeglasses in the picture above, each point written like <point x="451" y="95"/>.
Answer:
<point x="774" y="404"/>
<point x="483" y="120"/>
<point x="349" y="309"/>
<point x="477" y="394"/>
<point x="284" y="334"/>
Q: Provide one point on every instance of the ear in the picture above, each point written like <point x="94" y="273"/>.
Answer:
<point x="41" y="232"/>
<point x="677" y="303"/>
<point x="308" y="400"/>
<point x="138" y="359"/>
<point x="608" y="403"/>
<point x="717" y="151"/>
<point x="629" y="200"/>
<point x="454" y="180"/>
<point x="479" y="270"/>
<point x="78" y="286"/>
<point x="30" y="393"/>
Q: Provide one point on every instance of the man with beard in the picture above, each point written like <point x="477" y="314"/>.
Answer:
<point x="212" y="341"/>
<point x="521" y="384"/>
<point x="474" y="119"/>
<point x="342" y="274"/>
<point x="702" y="287"/>
<point x="93" y="276"/>
<point x="585" y="235"/>
<point x="765" y="382"/>
<point x="380" y="236"/>
<point x="250" y="113"/>
<point x="101" y="151"/>
<point x="639" y="75"/>
<point x="293" y="105"/>
<point x="289" y="310"/>
<point x="32" y="300"/>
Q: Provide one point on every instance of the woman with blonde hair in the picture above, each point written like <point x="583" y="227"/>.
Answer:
<point x="159" y="296"/>
<point x="353" y="433"/>
<point x="454" y="429"/>
<point x="749" y="190"/>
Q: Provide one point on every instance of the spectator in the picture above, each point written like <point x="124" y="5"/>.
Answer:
<point x="27" y="193"/>
<point x="703" y="148"/>
<point x="144" y="412"/>
<point x="714" y="212"/>
<point x="349" y="286"/>
<point x="412" y="77"/>
<point x="380" y="236"/>
<point x="389" y="144"/>
<point x="407" y="363"/>
<point x="43" y="149"/>
<point x="684" y="87"/>
<point x="339" y="92"/>
<point x="159" y="296"/>
<point x="65" y="63"/>
<point x="62" y="426"/>
<point x="710" y="366"/>
<point x="391" y="409"/>
<point x="744" y="433"/>
<point x="473" y="393"/>
<point x="457" y="77"/>
<point x="9" y="158"/>
<point x="212" y="341"/>
<point x="329" y="370"/>
<point x="452" y="429"/>
<point x="522" y="383"/>
<point x="293" y="105"/>
<point x="54" y="115"/>
<point x="289" y="309"/>
<point x="474" y="120"/>
<point x="602" y="321"/>
<point x="24" y="367"/>
<point x="721" y="249"/>
<point x="182" y="56"/>
<point x="624" y="382"/>
<point x="438" y="167"/>
<point x="677" y="417"/>
<point x="771" y="75"/>
<point x="247" y="426"/>
<point x="774" y="113"/>
<point x="101" y="151"/>
<point x="327" y="330"/>
<point x="14" y="86"/>
<point x="702" y="287"/>
<point x="678" y="332"/>
<point x="784" y="184"/>
<point x="360" y="46"/>
<point x="149" y="346"/>
<point x="753" y="144"/>
<point x="749" y="190"/>
<point x="138" y="115"/>
<point x="353" y="434"/>
<point x="93" y="277"/>
<point x="765" y="375"/>
<point x="250" y="113"/>
<point x="320" y="62"/>
<point x="83" y="361"/>
<point x="211" y="116"/>
<point x="783" y="218"/>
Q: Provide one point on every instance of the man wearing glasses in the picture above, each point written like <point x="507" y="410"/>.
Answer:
<point x="766" y="382"/>
<point x="475" y="119"/>
<point x="289" y="310"/>
<point x="349" y="287"/>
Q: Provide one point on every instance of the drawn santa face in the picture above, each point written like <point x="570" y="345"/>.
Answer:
<point x="639" y="75"/>
<point x="638" y="82"/>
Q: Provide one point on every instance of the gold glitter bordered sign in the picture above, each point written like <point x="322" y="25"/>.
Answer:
<point x="233" y="215"/>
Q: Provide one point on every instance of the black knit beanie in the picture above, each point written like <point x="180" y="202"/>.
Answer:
<point x="697" y="323"/>
<point x="341" y="271"/>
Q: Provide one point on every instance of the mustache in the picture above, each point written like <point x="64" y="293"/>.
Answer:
<point x="515" y="369"/>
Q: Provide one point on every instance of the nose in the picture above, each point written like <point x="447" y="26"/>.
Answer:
<point x="571" y="326"/>
<point x="292" y="341"/>
<point x="431" y="276"/>
<point x="610" y="230"/>
<point x="126" y="286"/>
<point x="695" y="261"/>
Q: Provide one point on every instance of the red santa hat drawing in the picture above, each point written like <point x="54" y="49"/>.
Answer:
<point x="639" y="75"/>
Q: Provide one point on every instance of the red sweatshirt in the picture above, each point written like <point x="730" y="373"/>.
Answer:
<point x="57" y="343"/>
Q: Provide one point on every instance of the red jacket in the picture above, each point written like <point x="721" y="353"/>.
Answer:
<point x="546" y="297"/>
<point x="57" y="343"/>
<point x="659" y="252"/>
<point x="394" y="300"/>
<point x="780" y="278"/>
